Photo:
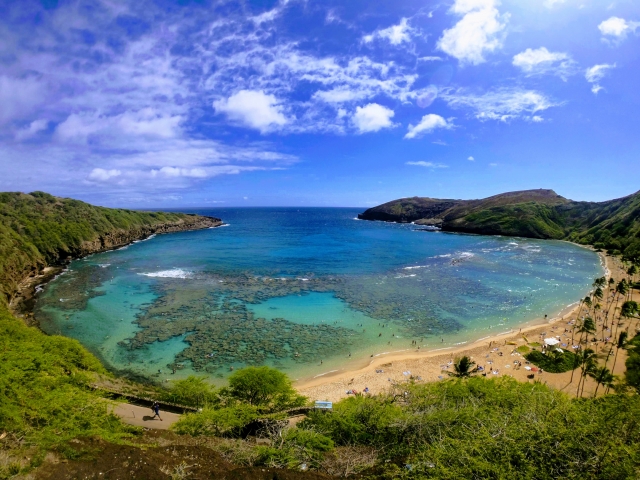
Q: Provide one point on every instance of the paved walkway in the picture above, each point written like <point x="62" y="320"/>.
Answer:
<point x="143" y="416"/>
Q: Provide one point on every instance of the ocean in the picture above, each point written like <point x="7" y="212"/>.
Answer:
<point x="305" y="290"/>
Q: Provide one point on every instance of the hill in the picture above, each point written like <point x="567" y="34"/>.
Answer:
<point x="613" y="225"/>
<point x="39" y="230"/>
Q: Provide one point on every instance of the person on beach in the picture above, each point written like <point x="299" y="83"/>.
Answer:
<point x="155" y="408"/>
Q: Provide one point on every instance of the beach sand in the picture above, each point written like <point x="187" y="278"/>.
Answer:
<point x="496" y="354"/>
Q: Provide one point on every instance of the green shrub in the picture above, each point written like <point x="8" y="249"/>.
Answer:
<point x="226" y="421"/>
<point x="191" y="391"/>
<point x="265" y="388"/>
<point x="554" y="361"/>
<point x="45" y="394"/>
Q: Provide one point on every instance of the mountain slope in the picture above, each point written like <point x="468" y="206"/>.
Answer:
<point x="613" y="225"/>
<point x="38" y="229"/>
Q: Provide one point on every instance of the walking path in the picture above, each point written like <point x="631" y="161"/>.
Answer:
<point x="143" y="416"/>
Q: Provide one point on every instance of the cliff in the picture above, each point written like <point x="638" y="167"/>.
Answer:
<point x="613" y="225"/>
<point x="39" y="230"/>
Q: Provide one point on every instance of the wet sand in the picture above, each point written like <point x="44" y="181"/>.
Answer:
<point x="496" y="354"/>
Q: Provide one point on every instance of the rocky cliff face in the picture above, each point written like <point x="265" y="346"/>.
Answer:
<point x="121" y="237"/>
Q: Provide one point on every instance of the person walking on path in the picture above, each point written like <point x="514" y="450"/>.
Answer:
<point x="156" y="410"/>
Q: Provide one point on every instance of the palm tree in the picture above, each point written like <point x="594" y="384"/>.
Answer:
<point x="587" y="326"/>
<point x="622" y="340"/>
<point x="463" y="367"/>
<point x="631" y="271"/>
<point x="602" y="376"/>
<point x="586" y="361"/>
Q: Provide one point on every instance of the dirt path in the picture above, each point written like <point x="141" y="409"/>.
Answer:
<point x="143" y="416"/>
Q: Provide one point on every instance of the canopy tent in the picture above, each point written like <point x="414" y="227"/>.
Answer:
<point x="551" y="341"/>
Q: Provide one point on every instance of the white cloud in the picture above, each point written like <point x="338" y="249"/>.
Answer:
<point x="595" y="74"/>
<point x="479" y="31"/>
<point x="502" y="104"/>
<point x="537" y="119"/>
<point x="617" y="28"/>
<point x="102" y="175"/>
<point x="428" y="164"/>
<point x="19" y="97"/>
<point x="493" y="164"/>
<point x="339" y="95"/>
<point x="541" y="61"/>
<point x="181" y="172"/>
<point x="395" y="34"/>
<point x="32" y="130"/>
<point x="428" y="124"/>
<point x="471" y="159"/>
<point x="254" y="109"/>
<point x="372" y="117"/>
<point x="552" y="3"/>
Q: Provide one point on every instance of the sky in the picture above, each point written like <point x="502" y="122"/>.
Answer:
<point x="180" y="103"/>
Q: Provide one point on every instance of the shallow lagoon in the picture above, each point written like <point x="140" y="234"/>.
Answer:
<point x="305" y="290"/>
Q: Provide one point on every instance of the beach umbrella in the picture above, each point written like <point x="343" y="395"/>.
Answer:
<point x="551" y="341"/>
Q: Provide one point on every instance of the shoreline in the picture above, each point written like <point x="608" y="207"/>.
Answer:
<point x="337" y="381"/>
<point x="22" y="302"/>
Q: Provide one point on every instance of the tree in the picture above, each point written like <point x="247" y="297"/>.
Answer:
<point x="586" y="361"/>
<point x="602" y="376"/>
<point x="463" y="367"/>
<point x="265" y="388"/>
<point x="193" y="391"/>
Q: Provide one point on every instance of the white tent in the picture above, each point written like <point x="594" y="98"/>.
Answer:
<point x="551" y="341"/>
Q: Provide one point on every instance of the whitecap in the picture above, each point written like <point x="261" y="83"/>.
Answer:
<point x="104" y="265"/>
<point x="173" y="273"/>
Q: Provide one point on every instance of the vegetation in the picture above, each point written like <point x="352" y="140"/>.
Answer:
<point x="613" y="225"/>
<point x="38" y="229"/>
<point x="45" y="397"/>
<point x="554" y="361"/>
<point x="479" y="428"/>
<point x="264" y="388"/>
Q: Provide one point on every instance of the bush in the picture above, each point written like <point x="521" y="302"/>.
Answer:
<point x="554" y="362"/>
<point x="498" y="428"/>
<point x="192" y="391"/>
<point x="265" y="388"/>
<point x="227" y="421"/>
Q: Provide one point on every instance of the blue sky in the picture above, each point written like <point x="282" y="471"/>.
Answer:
<point x="318" y="103"/>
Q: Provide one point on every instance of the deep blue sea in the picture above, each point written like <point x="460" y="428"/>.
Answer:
<point x="307" y="290"/>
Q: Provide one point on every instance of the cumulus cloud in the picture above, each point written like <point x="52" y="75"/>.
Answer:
<point x="617" y="29"/>
<point x="596" y="73"/>
<point x="372" y="118"/>
<point x="102" y="175"/>
<point x="254" y="109"/>
<point x="471" y="159"/>
<point x="541" y="61"/>
<point x="479" y="31"/>
<point x="32" y="129"/>
<point x="428" y="164"/>
<point x="502" y="104"/>
<point x="428" y="124"/>
<point x="395" y="34"/>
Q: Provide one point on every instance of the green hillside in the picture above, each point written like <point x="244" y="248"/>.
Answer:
<point x="38" y="229"/>
<point x="612" y="225"/>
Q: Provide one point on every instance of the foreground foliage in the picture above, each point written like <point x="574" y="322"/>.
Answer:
<point x="45" y="398"/>
<point x="498" y="428"/>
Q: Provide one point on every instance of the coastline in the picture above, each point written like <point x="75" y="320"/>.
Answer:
<point x="22" y="302"/>
<point x="426" y="365"/>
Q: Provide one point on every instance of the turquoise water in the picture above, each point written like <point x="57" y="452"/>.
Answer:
<point x="304" y="290"/>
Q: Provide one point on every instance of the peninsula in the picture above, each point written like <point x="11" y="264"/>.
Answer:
<point x="40" y="233"/>
<point x="613" y="225"/>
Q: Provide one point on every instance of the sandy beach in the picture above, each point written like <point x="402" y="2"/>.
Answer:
<point x="496" y="354"/>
